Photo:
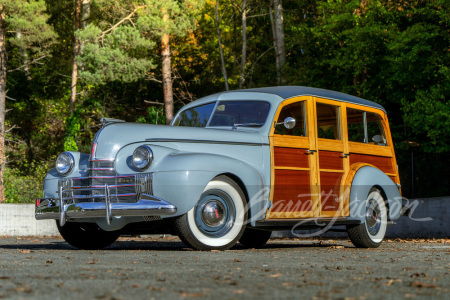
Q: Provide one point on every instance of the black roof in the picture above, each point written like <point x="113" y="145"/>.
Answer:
<point x="287" y="92"/>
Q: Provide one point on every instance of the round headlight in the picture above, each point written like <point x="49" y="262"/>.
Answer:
<point x="64" y="163"/>
<point x="142" y="157"/>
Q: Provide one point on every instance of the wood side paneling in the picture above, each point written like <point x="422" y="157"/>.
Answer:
<point x="329" y="191"/>
<point x="330" y="160"/>
<point x="382" y="163"/>
<point x="292" y="191"/>
<point x="290" y="157"/>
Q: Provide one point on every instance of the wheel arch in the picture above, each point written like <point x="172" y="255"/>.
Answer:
<point x="365" y="178"/>
<point x="195" y="170"/>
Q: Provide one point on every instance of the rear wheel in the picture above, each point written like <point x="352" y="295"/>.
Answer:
<point x="87" y="236"/>
<point x="255" y="238"/>
<point x="370" y="234"/>
<point x="217" y="221"/>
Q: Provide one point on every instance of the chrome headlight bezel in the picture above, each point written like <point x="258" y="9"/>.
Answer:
<point x="64" y="163"/>
<point x="142" y="157"/>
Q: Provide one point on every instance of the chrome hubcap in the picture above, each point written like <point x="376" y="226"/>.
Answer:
<point x="215" y="213"/>
<point x="373" y="217"/>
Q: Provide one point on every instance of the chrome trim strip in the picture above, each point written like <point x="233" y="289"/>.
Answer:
<point x="100" y="177"/>
<point x="99" y="196"/>
<point x="102" y="169"/>
<point x="108" y="205"/>
<point x="104" y="159"/>
<point x="204" y="142"/>
<point x="62" y="211"/>
<point x="98" y="187"/>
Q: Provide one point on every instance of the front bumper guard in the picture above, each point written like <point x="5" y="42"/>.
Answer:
<point x="147" y="205"/>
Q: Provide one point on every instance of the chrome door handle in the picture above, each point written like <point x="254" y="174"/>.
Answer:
<point x="344" y="155"/>
<point x="308" y="152"/>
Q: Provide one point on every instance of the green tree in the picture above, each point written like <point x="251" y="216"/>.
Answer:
<point x="392" y="52"/>
<point x="118" y="47"/>
<point x="28" y="18"/>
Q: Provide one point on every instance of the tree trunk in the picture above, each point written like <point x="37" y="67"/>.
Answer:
<point x="244" y="43"/>
<point x="167" y="74"/>
<point x="275" y="46"/>
<point x="279" y="29"/>
<point x="76" y="51"/>
<point x="85" y="13"/>
<point x="219" y="38"/>
<point x="2" y="101"/>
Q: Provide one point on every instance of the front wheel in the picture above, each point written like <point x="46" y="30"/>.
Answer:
<point x="217" y="221"/>
<point x="87" y="236"/>
<point x="370" y="234"/>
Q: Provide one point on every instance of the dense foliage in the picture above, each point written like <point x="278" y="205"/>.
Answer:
<point x="393" y="52"/>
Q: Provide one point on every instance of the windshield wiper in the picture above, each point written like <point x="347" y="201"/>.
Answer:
<point x="247" y="125"/>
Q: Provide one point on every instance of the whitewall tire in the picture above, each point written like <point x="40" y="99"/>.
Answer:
<point x="218" y="219"/>
<point x="370" y="234"/>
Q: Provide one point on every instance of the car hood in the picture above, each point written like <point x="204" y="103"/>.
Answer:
<point x="111" y="138"/>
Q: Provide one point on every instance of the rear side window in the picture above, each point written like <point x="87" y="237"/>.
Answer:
<point x="365" y="127"/>
<point x="355" y="125"/>
<point x="196" y="116"/>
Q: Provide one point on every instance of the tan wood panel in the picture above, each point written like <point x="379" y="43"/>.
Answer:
<point x="382" y="163"/>
<point x="330" y="160"/>
<point x="290" y="157"/>
<point x="292" y="191"/>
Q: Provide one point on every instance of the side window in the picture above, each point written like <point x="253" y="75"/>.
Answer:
<point x="365" y="127"/>
<point x="328" y="121"/>
<point x="375" y="131"/>
<point x="355" y="125"/>
<point x="296" y="111"/>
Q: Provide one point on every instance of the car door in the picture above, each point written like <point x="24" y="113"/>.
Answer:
<point x="333" y="155"/>
<point x="293" y="152"/>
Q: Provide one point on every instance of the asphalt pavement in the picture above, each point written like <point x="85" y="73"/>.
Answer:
<point x="163" y="268"/>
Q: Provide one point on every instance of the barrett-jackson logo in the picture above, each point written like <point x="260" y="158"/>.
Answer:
<point x="126" y="180"/>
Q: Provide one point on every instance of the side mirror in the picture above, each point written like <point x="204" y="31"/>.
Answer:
<point x="378" y="139"/>
<point x="289" y="123"/>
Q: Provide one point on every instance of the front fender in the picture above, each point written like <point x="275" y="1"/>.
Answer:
<point x="80" y="169"/>
<point x="365" y="178"/>
<point x="181" y="178"/>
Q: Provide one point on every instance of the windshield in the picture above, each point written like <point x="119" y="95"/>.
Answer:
<point x="227" y="114"/>
<point x="195" y="117"/>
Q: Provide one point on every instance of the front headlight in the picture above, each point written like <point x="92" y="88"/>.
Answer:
<point x="142" y="157"/>
<point x="64" y="163"/>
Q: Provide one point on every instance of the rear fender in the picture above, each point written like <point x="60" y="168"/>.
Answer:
<point x="366" y="178"/>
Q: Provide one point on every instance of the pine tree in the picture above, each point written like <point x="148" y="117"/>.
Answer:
<point x="119" y="45"/>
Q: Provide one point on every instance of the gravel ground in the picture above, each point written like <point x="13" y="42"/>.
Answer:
<point x="163" y="268"/>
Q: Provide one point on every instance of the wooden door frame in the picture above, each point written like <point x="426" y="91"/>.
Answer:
<point x="298" y="143"/>
<point x="335" y="146"/>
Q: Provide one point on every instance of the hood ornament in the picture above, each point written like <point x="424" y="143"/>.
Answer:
<point x="109" y="121"/>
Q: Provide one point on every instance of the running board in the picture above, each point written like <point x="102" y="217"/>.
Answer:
<point x="280" y="224"/>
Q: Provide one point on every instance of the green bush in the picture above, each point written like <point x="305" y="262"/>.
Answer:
<point x="23" y="188"/>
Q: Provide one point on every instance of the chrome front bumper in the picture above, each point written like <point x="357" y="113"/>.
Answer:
<point x="147" y="205"/>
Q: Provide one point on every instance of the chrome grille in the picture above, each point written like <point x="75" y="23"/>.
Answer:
<point x="121" y="188"/>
